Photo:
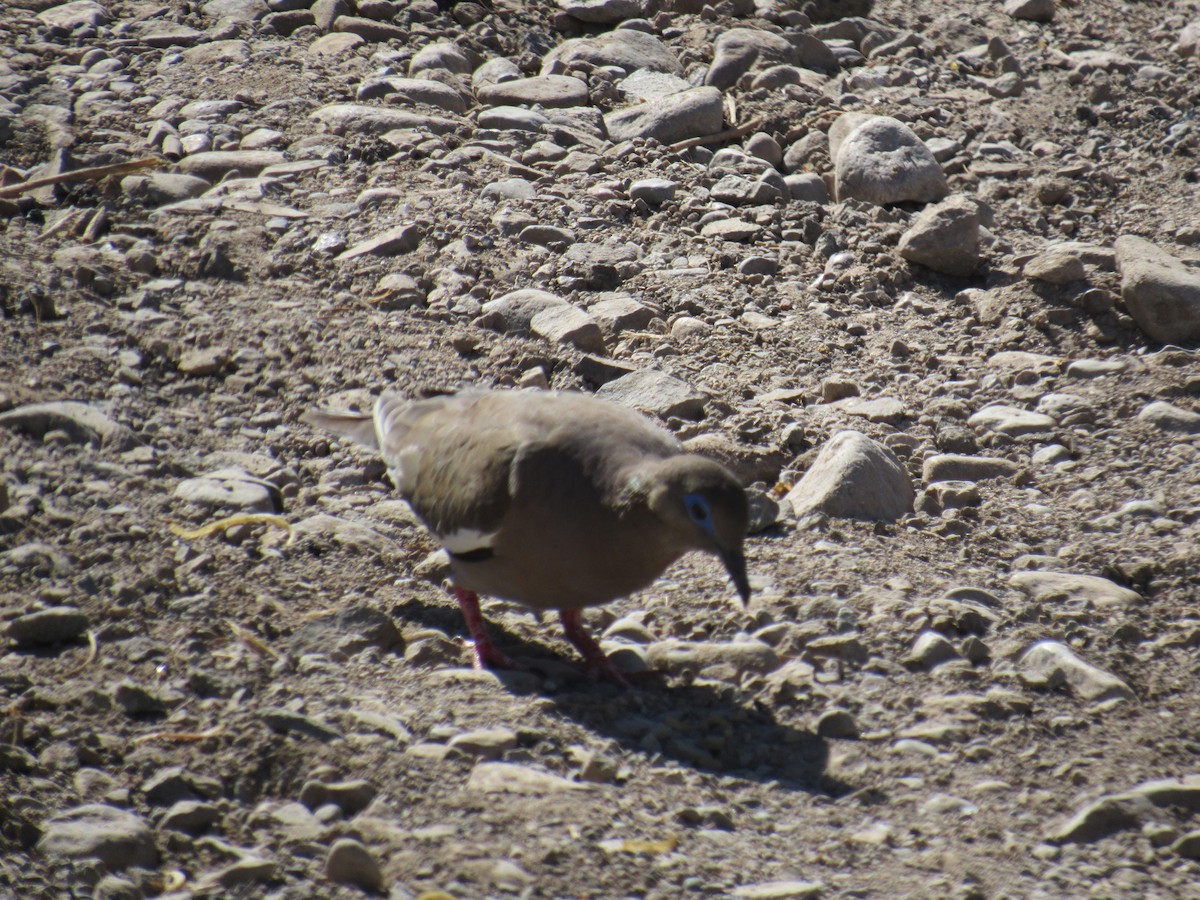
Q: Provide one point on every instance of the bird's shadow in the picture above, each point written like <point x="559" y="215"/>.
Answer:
<point x="705" y="726"/>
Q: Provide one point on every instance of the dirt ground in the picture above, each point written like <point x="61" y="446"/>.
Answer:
<point x="298" y="718"/>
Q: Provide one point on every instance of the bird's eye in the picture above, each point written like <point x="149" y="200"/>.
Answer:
<point x="697" y="507"/>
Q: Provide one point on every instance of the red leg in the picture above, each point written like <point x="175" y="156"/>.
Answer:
<point x="595" y="662"/>
<point x="485" y="654"/>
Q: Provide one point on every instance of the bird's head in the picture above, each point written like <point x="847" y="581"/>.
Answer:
<point x="705" y="508"/>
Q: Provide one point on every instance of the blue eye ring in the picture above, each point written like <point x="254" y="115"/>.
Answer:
<point x="699" y="511"/>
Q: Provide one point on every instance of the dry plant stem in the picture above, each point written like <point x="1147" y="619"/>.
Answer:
<point x="93" y="173"/>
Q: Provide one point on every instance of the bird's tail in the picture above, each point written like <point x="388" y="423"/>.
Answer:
<point x="359" y="427"/>
<point x="384" y="428"/>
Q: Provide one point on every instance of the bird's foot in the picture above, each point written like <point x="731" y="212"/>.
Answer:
<point x="596" y="664"/>
<point x="484" y="655"/>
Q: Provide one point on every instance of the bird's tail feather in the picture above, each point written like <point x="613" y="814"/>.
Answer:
<point x="358" y="427"/>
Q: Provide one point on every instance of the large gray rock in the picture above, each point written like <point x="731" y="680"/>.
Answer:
<point x="1160" y="292"/>
<point x="657" y="393"/>
<point x="446" y="56"/>
<point x="69" y="16"/>
<point x="1169" y="417"/>
<point x="688" y="114"/>
<point x="854" y="477"/>
<point x="116" y="837"/>
<point x="739" y="50"/>
<point x="624" y="48"/>
<point x="882" y="161"/>
<point x="1068" y="588"/>
<point x="161" y="188"/>
<point x="945" y="237"/>
<point x="603" y="12"/>
<point x="413" y="91"/>
<point x="1056" y="662"/>
<point x="351" y="118"/>
<point x="81" y="422"/>
<point x="548" y="91"/>
<point x="1116" y="812"/>
<point x="514" y="312"/>
<point x="1031" y="10"/>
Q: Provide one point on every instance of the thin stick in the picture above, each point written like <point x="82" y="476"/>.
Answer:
<point x="93" y="173"/>
<point x="728" y="133"/>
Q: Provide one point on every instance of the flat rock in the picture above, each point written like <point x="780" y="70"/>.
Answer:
<point x="780" y="890"/>
<point x="603" y="12"/>
<point x="69" y="16"/>
<point x="1088" y="590"/>
<point x="1058" y="663"/>
<point x="1057" y="265"/>
<point x="677" y="117"/>
<point x="737" y="190"/>
<point x="624" y="48"/>
<point x="512" y="118"/>
<point x="357" y="118"/>
<point x="243" y="11"/>
<point x="548" y="91"/>
<point x="738" y="231"/>
<point x="413" y="91"/>
<point x="1011" y="420"/>
<point x="1160" y="292"/>
<point x="487" y="743"/>
<point x="336" y="44"/>
<point x="229" y="494"/>
<point x="247" y="870"/>
<point x="161" y="188"/>
<point x="689" y="656"/>
<point x="213" y="165"/>
<point x="1118" y="812"/>
<point x="447" y="56"/>
<point x="511" y="778"/>
<point x="82" y="423"/>
<point x="656" y="393"/>
<point x="874" y="409"/>
<point x="955" y="467"/>
<point x="370" y="30"/>
<point x="617" y="314"/>
<point x="117" y="837"/>
<point x="1100" y="818"/>
<point x="882" y="161"/>
<point x="854" y="477"/>
<point x="201" y="361"/>
<point x="654" y="191"/>
<point x="568" y="325"/>
<point x="1095" y="368"/>
<point x="55" y="625"/>
<point x="646" y="84"/>
<point x="945" y="237"/>
<point x="1169" y="417"/>
<point x="394" y="241"/>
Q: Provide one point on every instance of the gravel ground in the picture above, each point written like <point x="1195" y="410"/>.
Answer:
<point x="967" y="233"/>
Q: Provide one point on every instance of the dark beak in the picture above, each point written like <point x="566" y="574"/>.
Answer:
<point x="735" y="565"/>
